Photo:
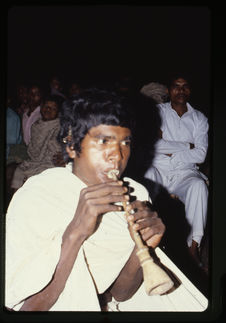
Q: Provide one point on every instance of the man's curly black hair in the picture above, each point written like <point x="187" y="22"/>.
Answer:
<point x="89" y="109"/>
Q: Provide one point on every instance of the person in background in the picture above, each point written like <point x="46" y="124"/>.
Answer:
<point x="56" y="87"/>
<point x="182" y="146"/>
<point x="21" y="99"/>
<point x="43" y="145"/>
<point x="124" y="85"/>
<point x="74" y="88"/>
<point x="32" y="112"/>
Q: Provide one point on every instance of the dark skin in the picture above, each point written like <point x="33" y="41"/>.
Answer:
<point x="103" y="148"/>
<point x="49" y="110"/>
<point x="179" y="93"/>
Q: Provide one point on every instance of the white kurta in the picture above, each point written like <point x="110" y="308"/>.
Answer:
<point x="35" y="222"/>
<point x="179" y="174"/>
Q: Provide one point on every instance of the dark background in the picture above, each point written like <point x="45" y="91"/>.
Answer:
<point x="102" y="42"/>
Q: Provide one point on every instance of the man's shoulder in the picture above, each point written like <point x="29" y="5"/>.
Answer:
<point x="199" y="115"/>
<point x="164" y="108"/>
<point x="50" y="178"/>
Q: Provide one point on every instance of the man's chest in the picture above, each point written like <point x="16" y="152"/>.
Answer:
<point x="178" y="128"/>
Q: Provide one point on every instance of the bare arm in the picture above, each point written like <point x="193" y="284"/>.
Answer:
<point x="129" y="279"/>
<point x="46" y="298"/>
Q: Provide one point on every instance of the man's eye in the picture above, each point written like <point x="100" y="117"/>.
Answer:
<point x="126" y="142"/>
<point x="102" y="141"/>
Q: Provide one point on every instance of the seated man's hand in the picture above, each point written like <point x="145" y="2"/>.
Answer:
<point x="146" y="222"/>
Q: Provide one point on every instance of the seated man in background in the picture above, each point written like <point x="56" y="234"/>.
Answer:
<point x="67" y="237"/>
<point x="43" y="144"/>
<point x="182" y="146"/>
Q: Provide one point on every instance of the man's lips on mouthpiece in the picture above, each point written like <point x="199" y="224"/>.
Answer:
<point x="110" y="173"/>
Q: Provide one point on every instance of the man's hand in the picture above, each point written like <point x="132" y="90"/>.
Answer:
<point x="94" y="201"/>
<point x="146" y="222"/>
<point x="192" y="146"/>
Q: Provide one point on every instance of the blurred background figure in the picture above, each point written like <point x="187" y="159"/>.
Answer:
<point x="56" y="87"/>
<point x="13" y="141"/>
<point x="74" y="88"/>
<point x="124" y="85"/>
<point x="21" y="99"/>
<point x="13" y="127"/>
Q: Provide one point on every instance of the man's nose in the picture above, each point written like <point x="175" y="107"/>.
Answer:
<point x="115" y="153"/>
<point x="181" y="89"/>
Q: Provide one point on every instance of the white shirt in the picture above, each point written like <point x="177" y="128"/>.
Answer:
<point x="177" y="134"/>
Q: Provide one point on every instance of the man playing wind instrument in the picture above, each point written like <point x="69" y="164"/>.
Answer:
<point x="68" y="247"/>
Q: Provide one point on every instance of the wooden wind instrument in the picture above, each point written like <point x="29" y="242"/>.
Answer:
<point x="156" y="280"/>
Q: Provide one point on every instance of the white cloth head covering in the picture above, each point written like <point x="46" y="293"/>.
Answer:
<point x="156" y="91"/>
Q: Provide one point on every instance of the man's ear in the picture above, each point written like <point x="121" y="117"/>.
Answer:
<point x="71" y="152"/>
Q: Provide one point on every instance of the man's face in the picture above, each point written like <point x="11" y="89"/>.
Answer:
<point x="179" y="91"/>
<point x="103" y="148"/>
<point x="49" y="110"/>
<point x="55" y="83"/>
<point x="34" y="96"/>
<point x="74" y="89"/>
<point x="22" y="94"/>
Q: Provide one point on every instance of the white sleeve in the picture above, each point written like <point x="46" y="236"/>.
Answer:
<point x="196" y="155"/>
<point x="163" y="146"/>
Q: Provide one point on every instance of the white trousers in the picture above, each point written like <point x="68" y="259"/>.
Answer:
<point x="190" y="187"/>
